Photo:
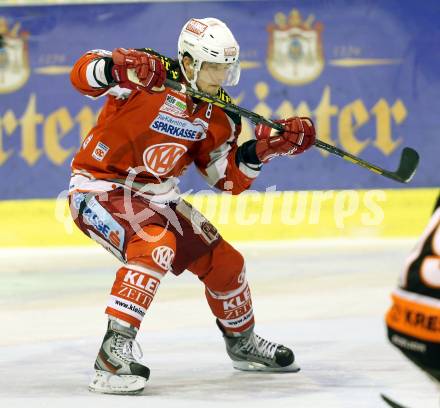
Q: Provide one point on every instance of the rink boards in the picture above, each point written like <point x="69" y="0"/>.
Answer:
<point x="250" y="216"/>
<point x="365" y="88"/>
<point x="367" y="76"/>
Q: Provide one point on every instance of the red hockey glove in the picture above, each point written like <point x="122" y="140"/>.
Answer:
<point x="149" y="70"/>
<point x="299" y="135"/>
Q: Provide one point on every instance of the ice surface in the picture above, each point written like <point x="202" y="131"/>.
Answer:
<point x="325" y="299"/>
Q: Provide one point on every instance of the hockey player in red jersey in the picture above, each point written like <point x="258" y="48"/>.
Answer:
<point x="124" y="195"/>
<point x="413" y="321"/>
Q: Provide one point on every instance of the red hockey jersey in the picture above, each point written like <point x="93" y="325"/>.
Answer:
<point x="155" y="137"/>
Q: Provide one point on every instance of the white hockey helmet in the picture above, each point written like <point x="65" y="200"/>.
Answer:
<point x="209" y="40"/>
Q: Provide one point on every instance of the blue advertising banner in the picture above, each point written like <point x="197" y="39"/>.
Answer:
<point x="367" y="72"/>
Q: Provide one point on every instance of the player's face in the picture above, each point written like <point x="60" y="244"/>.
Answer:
<point x="211" y="76"/>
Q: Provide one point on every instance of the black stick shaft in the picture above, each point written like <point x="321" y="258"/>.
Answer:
<point x="401" y="177"/>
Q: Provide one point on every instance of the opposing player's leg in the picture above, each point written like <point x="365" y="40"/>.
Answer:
<point x="410" y="329"/>
<point x="227" y="292"/>
<point x="412" y="320"/>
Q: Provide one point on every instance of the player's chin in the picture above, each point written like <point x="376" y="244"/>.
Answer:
<point x="212" y="89"/>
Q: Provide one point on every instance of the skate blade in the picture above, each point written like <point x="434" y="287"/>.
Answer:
<point x="107" y="383"/>
<point x="252" y="366"/>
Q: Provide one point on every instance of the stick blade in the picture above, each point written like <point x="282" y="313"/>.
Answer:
<point x="390" y="402"/>
<point x="408" y="164"/>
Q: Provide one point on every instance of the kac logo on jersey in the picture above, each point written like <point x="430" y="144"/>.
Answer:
<point x="161" y="158"/>
<point x="100" y="151"/>
<point x="180" y="128"/>
<point x="163" y="256"/>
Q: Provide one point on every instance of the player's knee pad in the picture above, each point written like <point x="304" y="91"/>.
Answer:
<point x="149" y="257"/>
<point x="153" y="247"/>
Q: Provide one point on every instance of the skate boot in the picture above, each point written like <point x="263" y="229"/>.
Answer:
<point x="250" y="352"/>
<point x="117" y="367"/>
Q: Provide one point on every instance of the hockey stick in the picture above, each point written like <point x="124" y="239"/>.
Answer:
<point x="409" y="158"/>
<point x="390" y="402"/>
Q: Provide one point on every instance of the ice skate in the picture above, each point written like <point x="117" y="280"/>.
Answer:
<point x="118" y="369"/>
<point x="250" y="352"/>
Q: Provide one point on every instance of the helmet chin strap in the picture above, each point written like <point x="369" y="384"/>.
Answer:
<point x="193" y="81"/>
